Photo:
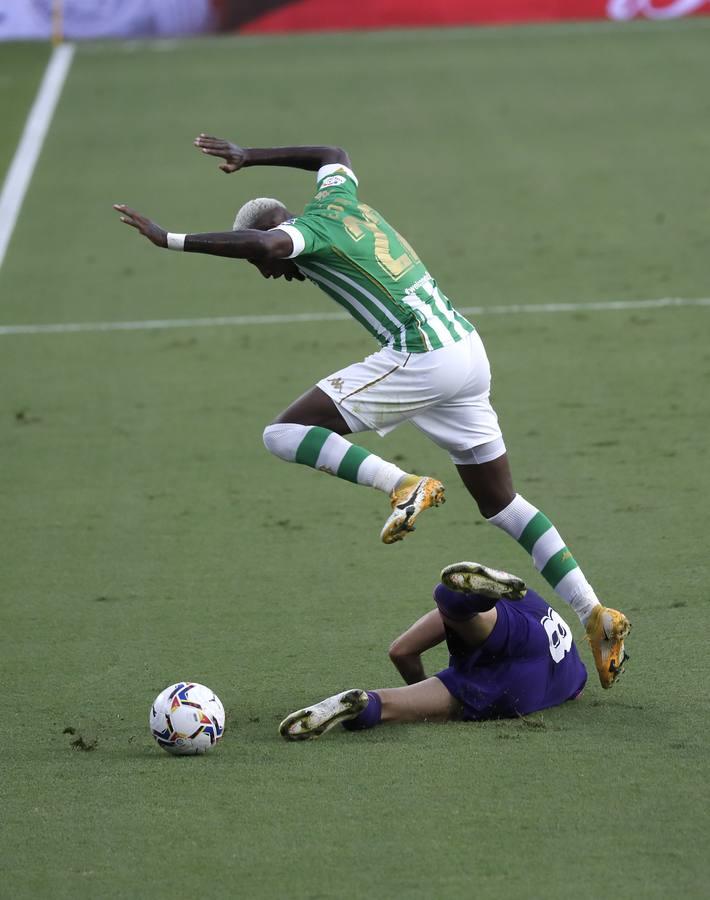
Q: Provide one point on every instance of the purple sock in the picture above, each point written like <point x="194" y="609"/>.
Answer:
<point x="369" y="717"/>
<point x="458" y="606"/>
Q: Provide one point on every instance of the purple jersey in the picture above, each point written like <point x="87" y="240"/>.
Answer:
<point x="528" y="662"/>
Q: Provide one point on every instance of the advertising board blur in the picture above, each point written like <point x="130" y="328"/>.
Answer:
<point x="85" y="19"/>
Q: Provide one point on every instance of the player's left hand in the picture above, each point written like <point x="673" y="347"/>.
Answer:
<point x="147" y="228"/>
<point x="233" y="155"/>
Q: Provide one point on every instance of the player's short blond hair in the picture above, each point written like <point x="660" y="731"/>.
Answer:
<point x="254" y="210"/>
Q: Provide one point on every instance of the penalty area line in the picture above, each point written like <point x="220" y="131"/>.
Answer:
<point x="28" y="150"/>
<point x="296" y="318"/>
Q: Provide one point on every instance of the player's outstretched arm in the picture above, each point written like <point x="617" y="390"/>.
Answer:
<point x="236" y="157"/>
<point x="406" y="650"/>
<point x="248" y="244"/>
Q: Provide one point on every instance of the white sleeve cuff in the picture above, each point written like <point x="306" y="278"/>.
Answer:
<point x="331" y="168"/>
<point x="297" y="239"/>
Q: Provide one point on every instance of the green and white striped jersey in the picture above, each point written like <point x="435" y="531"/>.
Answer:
<point x="349" y="251"/>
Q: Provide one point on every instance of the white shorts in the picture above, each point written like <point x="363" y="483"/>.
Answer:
<point x="445" y="393"/>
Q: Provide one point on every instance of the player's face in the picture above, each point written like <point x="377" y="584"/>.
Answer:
<point x="272" y="219"/>
<point x="278" y="268"/>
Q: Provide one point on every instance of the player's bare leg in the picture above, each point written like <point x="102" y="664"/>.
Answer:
<point x="491" y="486"/>
<point x="314" y="407"/>
<point x="426" y="701"/>
<point x="311" y="432"/>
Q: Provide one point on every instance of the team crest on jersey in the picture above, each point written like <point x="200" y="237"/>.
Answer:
<point x="332" y="181"/>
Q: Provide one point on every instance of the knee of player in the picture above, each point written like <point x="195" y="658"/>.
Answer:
<point x="269" y="437"/>
<point x="283" y="439"/>
<point x="397" y="649"/>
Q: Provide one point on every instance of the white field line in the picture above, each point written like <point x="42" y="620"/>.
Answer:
<point x="25" y="159"/>
<point x="295" y="318"/>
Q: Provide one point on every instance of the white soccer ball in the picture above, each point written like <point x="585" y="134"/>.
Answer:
<point x="187" y="718"/>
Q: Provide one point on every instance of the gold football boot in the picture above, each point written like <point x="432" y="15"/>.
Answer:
<point x="606" y="631"/>
<point x="412" y="496"/>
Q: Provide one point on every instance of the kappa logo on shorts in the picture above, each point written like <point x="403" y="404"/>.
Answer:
<point x="337" y="384"/>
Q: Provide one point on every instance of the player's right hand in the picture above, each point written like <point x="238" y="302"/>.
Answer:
<point x="233" y="155"/>
<point x="155" y="234"/>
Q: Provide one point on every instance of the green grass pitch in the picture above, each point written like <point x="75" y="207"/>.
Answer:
<point x="147" y="536"/>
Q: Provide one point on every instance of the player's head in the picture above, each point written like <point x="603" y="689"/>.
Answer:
<point x="261" y="213"/>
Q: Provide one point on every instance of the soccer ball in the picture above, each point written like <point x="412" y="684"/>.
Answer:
<point x="187" y="718"/>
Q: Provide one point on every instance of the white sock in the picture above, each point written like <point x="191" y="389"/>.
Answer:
<point x="379" y="474"/>
<point x="536" y="534"/>
<point x="327" y="451"/>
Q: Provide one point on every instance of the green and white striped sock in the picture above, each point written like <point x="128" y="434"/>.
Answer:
<point x="551" y="557"/>
<point x="322" y="449"/>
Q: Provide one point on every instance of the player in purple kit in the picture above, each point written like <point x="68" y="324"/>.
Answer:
<point x="511" y="654"/>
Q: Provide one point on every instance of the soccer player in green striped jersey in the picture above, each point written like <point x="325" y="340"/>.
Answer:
<point x="431" y="369"/>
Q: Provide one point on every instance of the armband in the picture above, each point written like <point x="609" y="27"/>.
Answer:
<point x="176" y="241"/>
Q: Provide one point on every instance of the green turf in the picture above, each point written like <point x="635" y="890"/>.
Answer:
<point x="147" y="536"/>
<point x="21" y="67"/>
